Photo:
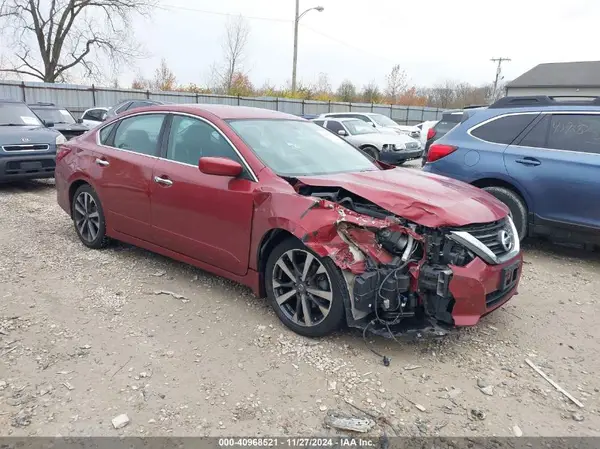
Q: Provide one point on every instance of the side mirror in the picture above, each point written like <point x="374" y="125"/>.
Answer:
<point x="80" y="121"/>
<point x="342" y="132"/>
<point x="373" y="125"/>
<point x="103" y="116"/>
<point x="48" y="124"/>
<point x="219" y="166"/>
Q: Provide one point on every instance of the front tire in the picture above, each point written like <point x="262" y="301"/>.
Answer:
<point x="515" y="204"/>
<point x="306" y="291"/>
<point x="88" y="217"/>
<point x="371" y="151"/>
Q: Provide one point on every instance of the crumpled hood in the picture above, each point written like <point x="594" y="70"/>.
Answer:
<point x="424" y="198"/>
<point x="14" y="135"/>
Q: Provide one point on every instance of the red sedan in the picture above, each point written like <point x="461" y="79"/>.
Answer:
<point x="296" y="213"/>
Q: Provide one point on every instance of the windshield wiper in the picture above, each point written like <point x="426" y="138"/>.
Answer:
<point x="12" y="124"/>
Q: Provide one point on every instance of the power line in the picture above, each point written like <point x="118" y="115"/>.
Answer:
<point x="216" y="13"/>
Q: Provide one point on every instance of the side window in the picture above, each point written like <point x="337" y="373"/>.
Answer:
<point x="334" y="126"/>
<point x="105" y="133"/>
<point x="191" y="139"/>
<point x="503" y="130"/>
<point x="319" y="122"/>
<point x="575" y="132"/>
<point x="139" y="133"/>
<point x="538" y="135"/>
<point x="92" y="114"/>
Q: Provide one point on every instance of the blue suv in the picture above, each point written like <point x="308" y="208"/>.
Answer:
<point x="539" y="155"/>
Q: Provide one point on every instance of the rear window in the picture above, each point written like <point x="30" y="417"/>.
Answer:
<point x="503" y="130"/>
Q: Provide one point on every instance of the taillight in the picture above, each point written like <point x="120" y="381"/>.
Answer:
<point x="430" y="133"/>
<point x="438" y="151"/>
<point x="61" y="152"/>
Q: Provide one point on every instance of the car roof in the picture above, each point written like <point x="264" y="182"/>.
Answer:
<point x="222" y="111"/>
<point x="8" y="100"/>
<point x="343" y="119"/>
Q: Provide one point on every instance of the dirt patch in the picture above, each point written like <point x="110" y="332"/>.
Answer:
<point x="84" y="338"/>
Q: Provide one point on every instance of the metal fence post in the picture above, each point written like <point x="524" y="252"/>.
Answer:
<point x="422" y="114"/>
<point x="238" y="99"/>
<point x="407" y="114"/>
<point x="303" y="106"/>
<point x="391" y="111"/>
<point x="148" y="94"/>
<point x="371" y="106"/>
<point x="277" y="103"/>
<point x="23" y="91"/>
<point x="93" y="95"/>
<point x="196" y="97"/>
<point x="350" y="106"/>
<point x="329" y="106"/>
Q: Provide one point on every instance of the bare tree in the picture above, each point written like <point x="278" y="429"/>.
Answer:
<point x="396" y="83"/>
<point x="164" y="78"/>
<point x="51" y="38"/>
<point x="346" y="91"/>
<point x="234" y="47"/>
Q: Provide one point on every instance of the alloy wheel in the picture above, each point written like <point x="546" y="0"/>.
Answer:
<point x="86" y="217"/>
<point x="302" y="287"/>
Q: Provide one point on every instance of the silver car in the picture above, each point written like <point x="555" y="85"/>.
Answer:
<point x="390" y="148"/>
<point x="379" y="121"/>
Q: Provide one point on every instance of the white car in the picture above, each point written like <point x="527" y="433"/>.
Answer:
<point x="424" y="130"/>
<point x="384" y="146"/>
<point x="379" y="121"/>
<point x="94" y="116"/>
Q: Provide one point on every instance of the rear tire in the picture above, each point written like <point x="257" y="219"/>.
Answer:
<point x="88" y="217"/>
<point x="516" y="206"/>
<point x="286" y="272"/>
<point x="371" y="151"/>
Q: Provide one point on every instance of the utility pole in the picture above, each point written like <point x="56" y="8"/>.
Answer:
<point x="297" y="18"/>
<point x="295" y="62"/>
<point x="498" y="72"/>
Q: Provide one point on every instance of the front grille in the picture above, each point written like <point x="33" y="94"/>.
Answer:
<point x="30" y="147"/>
<point x="488" y="234"/>
<point x="29" y="166"/>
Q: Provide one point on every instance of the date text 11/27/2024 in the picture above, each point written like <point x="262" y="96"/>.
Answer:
<point x="296" y="442"/>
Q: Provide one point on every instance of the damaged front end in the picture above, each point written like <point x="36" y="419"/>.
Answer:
<point x="399" y="273"/>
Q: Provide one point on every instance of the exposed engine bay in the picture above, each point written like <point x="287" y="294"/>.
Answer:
<point x="397" y="272"/>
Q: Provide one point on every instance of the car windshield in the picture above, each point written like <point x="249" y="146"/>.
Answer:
<point x="54" y="115"/>
<point x="382" y="120"/>
<point x="357" y="127"/>
<point x="298" y="148"/>
<point x="17" y="114"/>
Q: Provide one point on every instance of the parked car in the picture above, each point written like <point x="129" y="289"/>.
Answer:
<point x="448" y="121"/>
<point x="94" y="116"/>
<point x="284" y="206"/>
<point x="393" y="149"/>
<point x="424" y="130"/>
<point x="58" y="118"/>
<point x="28" y="148"/>
<point x="379" y="121"/>
<point x="539" y="155"/>
<point x="128" y="105"/>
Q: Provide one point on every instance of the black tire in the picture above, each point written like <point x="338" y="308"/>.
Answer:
<point x="99" y="239"/>
<point x="336" y="315"/>
<point x="371" y="151"/>
<point x="516" y="205"/>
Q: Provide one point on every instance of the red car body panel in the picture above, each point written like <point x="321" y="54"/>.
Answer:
<point x="219" y="223"/>
<point x="420" y="197"/>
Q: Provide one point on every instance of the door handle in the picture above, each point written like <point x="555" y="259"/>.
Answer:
<point x="528" y="161"/>
<point x="163" y="181"/>
<point x="102" y="162"/>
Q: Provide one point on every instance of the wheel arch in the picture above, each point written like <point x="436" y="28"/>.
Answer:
<point x="72" y="189"/>
<point x="498" y="182"/>
<point x="268" y="242"/>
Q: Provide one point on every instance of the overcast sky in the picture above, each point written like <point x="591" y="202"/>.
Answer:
<point x="361" y="40"/>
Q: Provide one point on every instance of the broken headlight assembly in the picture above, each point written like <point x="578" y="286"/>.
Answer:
<point x="390" y="147"/>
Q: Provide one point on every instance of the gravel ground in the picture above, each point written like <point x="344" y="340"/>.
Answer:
<point x="84" y="337"/>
